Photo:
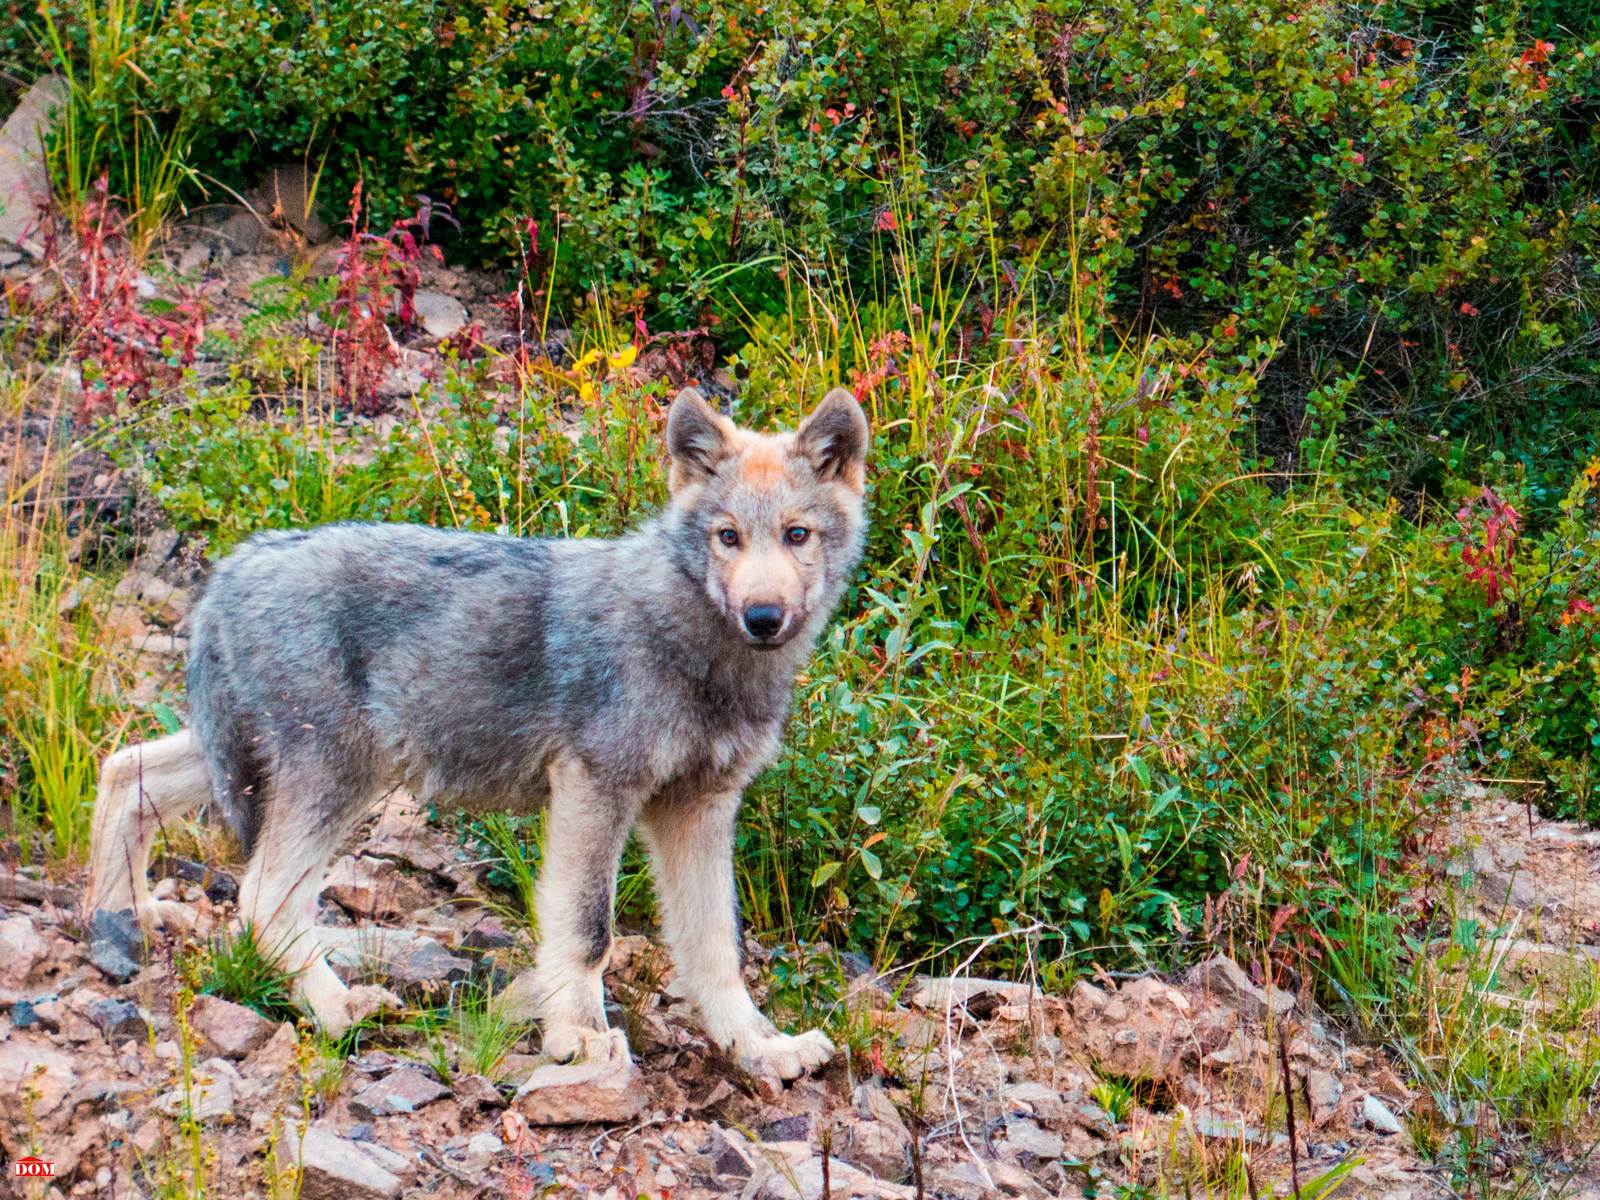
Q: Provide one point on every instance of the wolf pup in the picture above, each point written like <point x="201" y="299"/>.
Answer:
<point x="642" y="680"/>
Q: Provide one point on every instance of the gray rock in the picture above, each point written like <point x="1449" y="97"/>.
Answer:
<point x="210" y="1095"/>
<point x="288" y="193"/>
<point x="115" y="944"/>
<point x="439" y="315"/>
<point x="476" y="1091"/>
<point x="981" y="996"/>
<point x="1027" y="1137"/>
<point x="243" y="233"/>
<point x="490" y="933"/>
<point x="24" y="174"/>
<point x="228" y="1029"/>
<point x="21" y="949"/>
<point x="219" y="886"/>
<point x="24" y="1015"/>
<point x="402" y="1091"/>
<point x="1324" y="1091"/>
<point x="426" y="967"/>
<point x="1379" y="1115"/>
<point x="157" y="599"/>
<point x="730" y="1154"/>
<point x="878" y="1139"/>
<point x="195" y="258"/>
<point x="581" y="1093"/>
<point x="1223" y="979"/>
<point x="796" y="1128"/>
<point x="117" y="1020"/>
<point x="34" y="1078"/>
<point x="336" y="1168"/>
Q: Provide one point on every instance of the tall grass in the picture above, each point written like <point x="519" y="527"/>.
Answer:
<point x="102" y="130"/>
<point x="55" y="719"/>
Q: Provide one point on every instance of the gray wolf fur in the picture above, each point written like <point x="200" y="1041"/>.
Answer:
<point x="642" y="680"/>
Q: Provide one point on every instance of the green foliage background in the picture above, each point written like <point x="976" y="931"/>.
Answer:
<point x="1212" y="318"/>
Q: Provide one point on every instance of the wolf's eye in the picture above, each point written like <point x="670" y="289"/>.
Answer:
<point x="796" y="535"/>
<point x="728" y="537"/>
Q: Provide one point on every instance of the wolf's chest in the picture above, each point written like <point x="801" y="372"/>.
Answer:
<point x="688" y="759"/>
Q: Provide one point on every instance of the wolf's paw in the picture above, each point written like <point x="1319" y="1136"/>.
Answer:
<point x="786" y="1056"/>
<point x="570" y="1043"/>
<point x="355" y="1005"/>
<point x="154" y="916"/>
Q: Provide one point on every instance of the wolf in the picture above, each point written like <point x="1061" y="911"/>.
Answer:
<point x="636" y="681"/>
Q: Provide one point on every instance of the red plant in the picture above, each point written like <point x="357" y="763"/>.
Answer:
<point x="881" y="365"/>
<point x="378" y="275"/>
<point x="521" y="305"/>
<point x="122" y="345"/>
<point x="1487" y="552"/>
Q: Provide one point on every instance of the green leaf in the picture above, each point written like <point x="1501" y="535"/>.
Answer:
<point x="168" y="719"/>
<point x="872" y="863"/>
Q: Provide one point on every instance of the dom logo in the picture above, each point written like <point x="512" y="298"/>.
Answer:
<point x="33" y="1168"/>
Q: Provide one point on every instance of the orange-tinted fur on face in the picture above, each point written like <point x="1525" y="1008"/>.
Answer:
<point x="776" y="507"/>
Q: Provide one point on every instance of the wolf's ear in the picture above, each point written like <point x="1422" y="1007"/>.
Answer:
<point x="833" y="439"/>
<point x="697" y="438"/>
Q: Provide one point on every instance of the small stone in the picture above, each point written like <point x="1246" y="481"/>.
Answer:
<point x="439" y="315"/>
<point x="28" y="1068"/>
<point x="581" y="1093"/>
<point x="1378" y="1115"/>
<point x="879" y="1139"/>
<point x="787" y="1129"/>
<point x="980" y="996"/>
<point x="116" y="1018"/>
<point x="484" y="1143"/>
<point x="21" y="949"/>
<point x="210" y="1096"/>
<point x="194" y="258"/>
<point x="730" y="1154"/>
<point x="489" y="934"/>
<point x="115" y="944"/>
<point x="426" y="967"/>
<point x="1324" y="1091"/>
<point x="400" y="1091"/>
<point x="476" y="1090"/>
<point x="228" y="1029"/>
<point x="24" y="173"/>
<point x="336" y="1168"/>
<point x="1035" y="1098"/>
<point x="373" y="888"/>
<point x="288" y="193"/>
<point x="243" y="233"/>
<point x="219" y="886"/>
<point x="1220" y="978"/>
<point x="1027" y="1137"/>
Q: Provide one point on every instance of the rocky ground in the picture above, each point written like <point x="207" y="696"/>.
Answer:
<point x="951" y="1087"/>
<point x="956" y="1086"/>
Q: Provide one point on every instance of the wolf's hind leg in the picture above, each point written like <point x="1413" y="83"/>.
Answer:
<point x="584" y="835"/>
<point x="278" y="899"/>
<point x="143" y="788"/>
<point x="691" y="848"/>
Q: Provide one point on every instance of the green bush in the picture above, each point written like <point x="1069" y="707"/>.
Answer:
<point x="1094" y="666"/>
<point x="1154" y="308"/>
<point x="1401" y="198"/>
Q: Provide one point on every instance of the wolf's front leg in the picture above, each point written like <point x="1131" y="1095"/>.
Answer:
<point x="585" y="828"/>
<point x="691" y="846"/>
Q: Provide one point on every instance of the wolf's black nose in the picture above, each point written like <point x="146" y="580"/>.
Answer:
<point x="763" y="620"/>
